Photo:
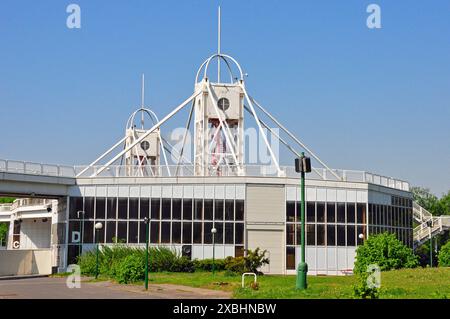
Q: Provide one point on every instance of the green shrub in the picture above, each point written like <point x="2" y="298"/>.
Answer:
<point x="182" y="264"/>
<point x="206" y="264"/>
<point x="130" y="269"/>
<point x="362" y="290"/>
<point x="386" y="251"/>
<point x="87" y="263"/>
<point x="235" y="265"/>
<point x="255" y="259"/>
<point x="444" y="255"/>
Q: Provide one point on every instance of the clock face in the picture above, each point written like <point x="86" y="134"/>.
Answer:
<point x="145" y="145"/>
<point x="223" y="104"/>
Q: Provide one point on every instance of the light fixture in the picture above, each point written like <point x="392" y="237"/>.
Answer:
<point x="98" y="226"/>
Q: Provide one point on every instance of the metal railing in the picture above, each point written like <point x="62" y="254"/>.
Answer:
<point x="430" y="225"/>
<point x="27" y="202"/>
<point x="12" y="166"/>
<point x="189" y="171"/>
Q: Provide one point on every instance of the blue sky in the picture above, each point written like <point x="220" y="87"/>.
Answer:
<point x="375" y="100"/>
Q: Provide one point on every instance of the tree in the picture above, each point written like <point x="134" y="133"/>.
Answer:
<point x="3" y="232"/>
<point x="444" y="255"/>
<point x="429" y="201"/>
<point x="386" y="251"/>
<point x="6" y="200"/>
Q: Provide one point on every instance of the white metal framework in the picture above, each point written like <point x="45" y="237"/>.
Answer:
<point x="218" y="112"/>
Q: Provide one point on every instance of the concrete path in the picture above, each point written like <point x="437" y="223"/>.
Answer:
<point x="56" y="288"/>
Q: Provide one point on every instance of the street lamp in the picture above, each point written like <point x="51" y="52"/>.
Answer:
<point x="214" y="231"/>
<point x="98" y="226"/>
<point x="302" y="165"/>
<point x="147" y="222"/>
<point x="81" y="212"/>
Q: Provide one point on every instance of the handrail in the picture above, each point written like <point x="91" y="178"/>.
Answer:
<point x="33" y="168"/>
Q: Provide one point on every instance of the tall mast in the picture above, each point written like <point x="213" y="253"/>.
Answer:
<point x="218" y="47"/>
<point x="142" y="100"/>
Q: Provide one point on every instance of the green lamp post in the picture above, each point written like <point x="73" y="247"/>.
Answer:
<point x="98" y="226"/>
<point x="302" y="166"/>
<point x="147" y="223"/>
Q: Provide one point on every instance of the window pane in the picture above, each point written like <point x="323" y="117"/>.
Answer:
<point x="122" y="232"/>
<point x="134" y="206"/>
<point x="89" y="207"/>
<point x="350" y="212"/>
<point x="197" y="233"/>
<point x="99" y="235"/>
<point x="219" y="235"/>
<point x="100" y="207"/>
<point x="110" y="232"/>
<point x="239" y="233"/>
<point x="145" y="208"/>
<point x="331" y="235"/>
<point x="154" y="232"/>
<point x="187" y="209"/>
<point x="361" y="213"/>
<point x="76" y="204"/>
<point x="290" y="211"/>
<point x="142" y="232"/>
<point x="310" y="234"/>
<point x="176" y="233"/>
<point x="240" y="210"/>
<point x="176" y="208"/>
<point x="320" y="212"/>
<point x="165" y="232"/>
<point x="229" y="233"/>
<point x="340" y="235"/>
<point x="341" y="213"/>
<point x="331" y="212"/>
<point x="156" y="203"/>
<point x="88" y="232"/>
<point x="122" y="208"/>
<point x="290" y="258"/>
<point x="208" y="211"/>
<point x="320" y="235"/>
<point x="299" y="234"/>
<point x="198" y="209"/>
<point x="166" y="206"/>
<point x="290" y="234"/>
<point x="133" y="232"/>
<point x="350" y="235"/>
<point x="111" y="208"/>
<point x="299" y="211"/>
<point x="187" y="233"/>
<point x="310" y="212"/>
<point x="361" y="230"/>
<point x="207" y="236"/>
<point x="229" y="209"/>
<point x="239" y="251"/>
<point x="219" y="209"/>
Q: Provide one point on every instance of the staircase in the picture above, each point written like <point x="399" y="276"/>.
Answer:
<point x="430" y="225"/>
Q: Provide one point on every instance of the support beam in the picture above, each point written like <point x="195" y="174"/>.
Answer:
<point x="261" y="130"/>
<point x="101" y="157"/>
<point x="295" y="139"/>
<point x="143" y="136"/>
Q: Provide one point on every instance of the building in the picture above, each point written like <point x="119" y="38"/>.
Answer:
<point x="250" y="205"/>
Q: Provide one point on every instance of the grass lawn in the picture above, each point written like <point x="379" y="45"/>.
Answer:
<point x="417" y="283"/>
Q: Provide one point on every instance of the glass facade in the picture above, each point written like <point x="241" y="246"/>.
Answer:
<point x="183" y="221"/>
<point x="395" y="218"/>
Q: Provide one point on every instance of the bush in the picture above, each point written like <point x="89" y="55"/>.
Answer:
<point x="235" y="265"/>
<point x="362" y="290"/>
<point x="130" y="269"/>
<point x="386" y="251"/>
<point x="444" y="255"/>
<point x="206" y="264"/>
<point x="183" y="264"/>
<point x="255" y="260"/>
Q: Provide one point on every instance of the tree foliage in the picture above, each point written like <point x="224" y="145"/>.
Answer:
<point x="3" y="232"/>
<point x="430" y="202"/>
<point x="444" y="255"/>
<point x="386" y="251"/>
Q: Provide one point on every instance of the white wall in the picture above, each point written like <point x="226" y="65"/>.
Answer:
<point x="35" y="234"/>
